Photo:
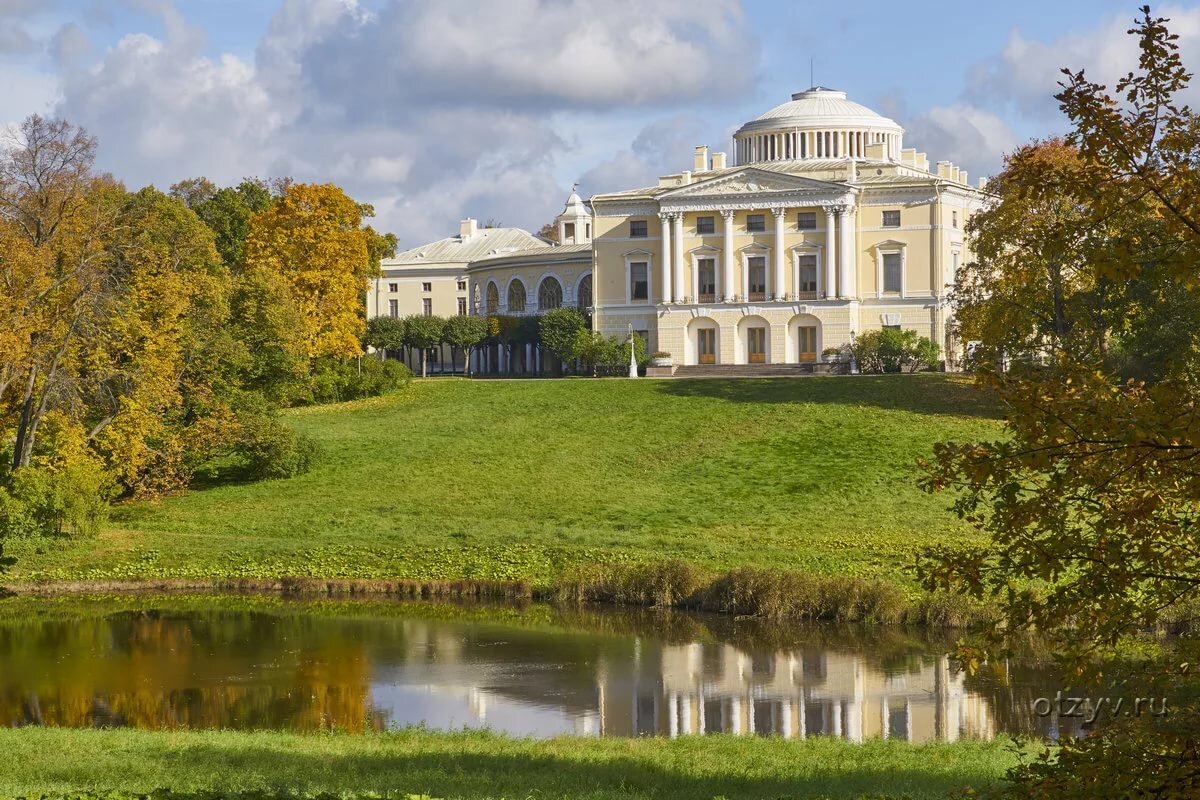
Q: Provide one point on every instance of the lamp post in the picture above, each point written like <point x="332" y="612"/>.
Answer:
<point x="632" y="355"/>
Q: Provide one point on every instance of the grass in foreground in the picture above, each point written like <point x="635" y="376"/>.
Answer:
<point x="479" y="765"/>
<point x="522" y="480"/>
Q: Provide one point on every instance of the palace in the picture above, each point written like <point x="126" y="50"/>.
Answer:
<point x="823" y="227"/>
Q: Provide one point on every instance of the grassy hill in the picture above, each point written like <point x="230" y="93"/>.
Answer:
<point x="521" y="479"/>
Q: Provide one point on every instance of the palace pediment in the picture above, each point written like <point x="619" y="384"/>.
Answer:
<point x="754" y="182"/>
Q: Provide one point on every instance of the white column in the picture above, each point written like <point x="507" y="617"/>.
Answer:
<point x="672" y="715"/>
<point x="664" y="279"/>
<point x="830" y="264"/>
<point x="846" y="247"/>
<point x="677" y="257"/>
<point x="777" y="283"/>
<point x="727" y="258"/>
<point x="529" y="358"/>
<point x="837" y="718"/>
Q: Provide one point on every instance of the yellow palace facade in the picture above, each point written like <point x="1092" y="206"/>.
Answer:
<point x="824" y="226"/>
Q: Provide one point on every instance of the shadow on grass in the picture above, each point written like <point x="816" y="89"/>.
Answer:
<point x="922" y="394"/>
<point x="584" y="772"/>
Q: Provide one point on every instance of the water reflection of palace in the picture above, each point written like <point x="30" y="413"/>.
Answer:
<point x="669" y="690"/>
<point x="717" y="688"/>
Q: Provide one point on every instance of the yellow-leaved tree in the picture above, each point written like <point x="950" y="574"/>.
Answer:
<point x="314" y="238"/>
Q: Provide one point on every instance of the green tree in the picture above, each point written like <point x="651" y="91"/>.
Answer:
<point x="558" y="331"/>
<point x="385" y="333"/>
<point x="465" y="332"/>
<point x="423" y="333"/>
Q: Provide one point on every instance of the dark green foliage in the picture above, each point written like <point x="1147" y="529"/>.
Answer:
<point x="336" y="380"/>
<point x="890" y="350"/>
<point x="227" y="212"/>
<point x="558" y="331"/>
<point x="270" y="449"/>
<point x="465" y="332"/>
<point x="423" y="332"/>
<point x="385" y="333"/>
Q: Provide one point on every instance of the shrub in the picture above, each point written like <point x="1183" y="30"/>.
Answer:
<point x="43" y="501"/>
<point x="890" y="350"/>
<point x="336" y="380"/>
<point x="271" y="449"/>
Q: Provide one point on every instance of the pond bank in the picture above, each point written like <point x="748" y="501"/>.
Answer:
<point x="743" y="591"/>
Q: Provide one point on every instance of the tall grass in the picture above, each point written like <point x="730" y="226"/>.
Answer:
<point x="767" y="593"/>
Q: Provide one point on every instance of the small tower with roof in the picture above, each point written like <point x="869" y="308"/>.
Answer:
<point x="575" y="222"/>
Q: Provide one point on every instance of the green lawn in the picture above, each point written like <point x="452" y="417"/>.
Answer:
<point x="519" y="479"/>
<point x="479" y="765"/>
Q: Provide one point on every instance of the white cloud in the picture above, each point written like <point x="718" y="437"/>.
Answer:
<point x="971" y="137"/>
<point x="1024" y="75"/>
<point x="429" y="111"/>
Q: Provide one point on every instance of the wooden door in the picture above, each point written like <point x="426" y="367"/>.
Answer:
<point x="757" y="345"/>
<point x="706" y="345"/>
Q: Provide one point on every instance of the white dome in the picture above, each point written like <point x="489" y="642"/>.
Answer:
<point x="817" y="123"/>
<point x="824" y="107"/>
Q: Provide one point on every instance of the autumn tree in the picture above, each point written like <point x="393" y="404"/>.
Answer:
<point x="1089" y="499"/>
<point x="313" y="237"/>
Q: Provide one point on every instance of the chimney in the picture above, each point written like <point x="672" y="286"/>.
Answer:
<point x="852" y="172"/>
<point x="718" y="161"/>
<point x="983" y="183"/>
<point x="962" y="178"/>
<point x="945" y="170"/>
<point x="700" y="160"/>
<point x="467" y="228"/>
<point x="685" y="178"/>
<point x="875" y="151"/>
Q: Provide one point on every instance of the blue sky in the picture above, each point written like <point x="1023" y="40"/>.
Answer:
<point x="438" y="110"/>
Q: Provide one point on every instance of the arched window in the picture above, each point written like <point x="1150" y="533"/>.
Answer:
<point x="516" y="297"/>
<point x="493" y="299"/>
<point x="550" y="295"/>
<point x="584" y="297"/>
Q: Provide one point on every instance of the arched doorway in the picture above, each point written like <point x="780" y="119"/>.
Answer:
<point x="702" y="344"/>
<point x="753" y="341"/>
<point x="583" y="295"/>
<point x="804" y="342"/>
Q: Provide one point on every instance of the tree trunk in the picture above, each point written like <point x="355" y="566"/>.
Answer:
<point x="23" y="422"/>
<point x="424" y="359"/>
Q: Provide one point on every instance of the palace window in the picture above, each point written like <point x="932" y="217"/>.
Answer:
<point x="806" y="220"/>
<point x="892" y="265"/>
<point x="550" y="295"/>
<point x="891" y="219"/>
<point x="706" y="280"/>
<point x="583" y="296"/>
<point x="427" y="307"/>
<point x="756" y="223"/>
<point x="807" y="285"/>
<point x="569" y="233"/>
<point x="493" y="299"/>
<point x="393" y="308"/>
<point x="516" y="298"/>
<point x="757" y="269"/>
<point x="638" y="229"/>
<point x="462" y="286"/>
<point x="954" y="218"/>
<point x="393" y="287"/>
<point x="462" y="306"/>
<point x="426" y="287"/>
<point x="639" y="283"/>
<point x="706" y="225"/>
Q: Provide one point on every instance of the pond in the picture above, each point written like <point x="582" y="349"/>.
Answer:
<point x="258" y="663"/>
